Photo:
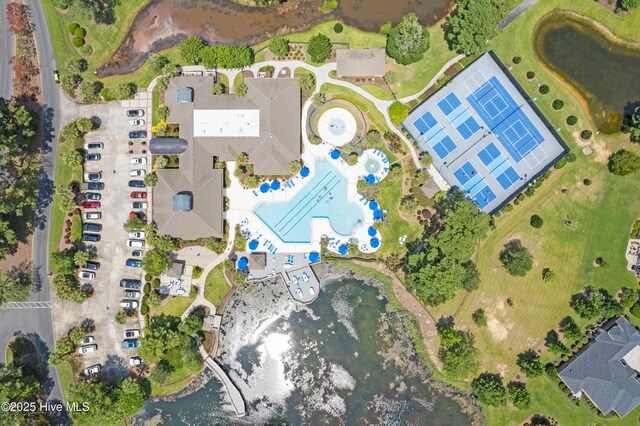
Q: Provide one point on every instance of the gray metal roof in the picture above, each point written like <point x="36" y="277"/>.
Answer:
<point x="601" y="372"/>
<point x="168" y="146"/>
<point x="184" y="94"/>
<point x="360" y="62"/>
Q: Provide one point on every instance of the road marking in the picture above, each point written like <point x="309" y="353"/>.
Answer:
<point x="26" y="305"/>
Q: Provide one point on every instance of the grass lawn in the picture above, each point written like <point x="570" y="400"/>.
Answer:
<point x="175" y="305"/>
<point x="179" y="377"/>
<point x="216" y="285"/>
<point x="238" y="79"/>
<point x="76" y="228"/>
<point x="338" y="92"/>
<point x="155" y="99"/>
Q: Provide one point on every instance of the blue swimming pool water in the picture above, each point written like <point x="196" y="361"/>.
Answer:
<point x="324" y="196"/>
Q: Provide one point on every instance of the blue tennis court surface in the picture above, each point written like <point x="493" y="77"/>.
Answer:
<point x="486" y="137"/>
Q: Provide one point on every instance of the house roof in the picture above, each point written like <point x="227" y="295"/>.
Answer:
<point x="601" y="372"/>
<point x="257" y="261"/>
<point x="360" y="62"/>
<point x="177" y="269"/>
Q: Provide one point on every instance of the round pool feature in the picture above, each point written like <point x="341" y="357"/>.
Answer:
<point x="372" y="231"/>
<point x="373" y="164"/>
<point x="264" y="188"/>
<point x="337" y="126"/>
<point x="243" y="262"/>
<point x="253" y="244"/>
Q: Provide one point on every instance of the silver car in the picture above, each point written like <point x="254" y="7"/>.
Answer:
<point x="87" y="349"/>
<point x="94" y="369"/>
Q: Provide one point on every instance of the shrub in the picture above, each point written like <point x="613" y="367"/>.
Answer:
<point x="479" y="317"/>
<point x="571" y="120"/>
<point x="531" y="75"/>
<point x="586" y="182"/>
<point x="147" y="277"/>
<point x="73" y="27"/>
<point x="156" y="283"/>
<point x="319" y="48"/>
<point x="279" y="46"/>
<point x="517" y="60"/>
<point x="544" y="89"/>
<point x="586" y="134"/>
<point x="197" y="272"/>
<point x="80" y="32"/>
<point x="86" y="50"/>
<point x="623" y="162"/>
<point x="144" y="309"/>
<point x="558" y="104"/>
<point x="398" y="112"/>
<point x="337" y="28"/>
<point x="628" y="297"/>
<point x="536" y="221"/>
<point x="147" y="288"/>
<point x="77" y="42"/>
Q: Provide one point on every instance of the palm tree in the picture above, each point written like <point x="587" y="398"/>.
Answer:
<point x="9" y="289"/>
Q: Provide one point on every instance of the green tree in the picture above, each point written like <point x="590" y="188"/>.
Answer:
<point x="156" y="341"/>
<point x="65" y="198"/>
<point x="398" y="112"/>
<point x="158" y="63"/>
<point x="72" y="158"/>
<point x="408" y="41"/>
<point x="279" y="46"/>
<point x="67" y="288"/>
<point x="529" y="363"/>
<point x="555" y="345"/>
<point x="161" y="372"/>
<point x="161" y="162"/>
<point x="81" y="257"/>
<point x="209" y="57"/>
<point x="70" y="133"/>
<point x="217" y="89"/>
<point x="536" y="221"/>
<point x="11" y="288"/>
<point x="307" y="81"/>
<point x="240" y="90"/>
<point x="62" y="261"/>
<point x="150" y="179"/>
<point x="154" y="299"/>
<point x="490" y="389"/>
<point x="77" y="65"/>
<point x="473" y="23"/>
<point x="570" y="328"/>
<point x="90" y="90"/>
<point x="216" y="245"/>
<point x="121" y="317"/>
<point x="129" y="398"/>
<point x="318" y="99"/>
<point x="516" y="258"/>
<point x="192" y="324"/>
<point x="156" y="261"/>
<point x="623" y="162"/>
<point x="519" y="395"/>
<point x="134" y="223"/>
<point x="548" y="275"/>
<point x="479" y="317"/>
<point x="319" y="48"/>
<point x="629" y="5"/>
<point x="85" y="124"/>
<point x="295" y="167"/>
<point x="628" y="297"/>
<point x="190" y="49"/>
<point x="238" y="278"/>
<point x="65" y="347"/>
<point x="16" y="385"/>
<point x="124" y="91"/>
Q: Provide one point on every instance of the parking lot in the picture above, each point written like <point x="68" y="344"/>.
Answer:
<point x="114" y="164"/>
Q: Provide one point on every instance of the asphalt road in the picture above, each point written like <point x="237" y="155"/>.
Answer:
<point x="6" y="51"/>
<point x="37" y="323"/>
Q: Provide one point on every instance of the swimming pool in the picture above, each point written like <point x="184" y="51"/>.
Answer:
<point x="324" y="196"/>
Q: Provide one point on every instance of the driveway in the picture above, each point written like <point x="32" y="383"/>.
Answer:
<point x="112" y="250"/>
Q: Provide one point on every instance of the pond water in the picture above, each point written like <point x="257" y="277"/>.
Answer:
<point x="601" y="70"/>
<point x="162" y="23"/>
<point x="346" y="359"/>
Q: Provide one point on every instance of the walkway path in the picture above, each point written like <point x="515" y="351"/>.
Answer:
<point x="234" y="393"/>
<point x="522" y="7"/>
<point x="6" y="51"/>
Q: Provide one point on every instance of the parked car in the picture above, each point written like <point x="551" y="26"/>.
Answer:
<point x="94" y="266"/>
<point x="129" y="304"/>
<point x="87" y="275"/>
<point x="91" y="205"/>
<point x="92" y="227"/>
<point x="139" y="160"/>
<point x="130" y="334"/>
<point x="138" y="134"/>
<point x="93" y="196"/>
<point x="131" y="344"/>
<point x="137" y="172"/>
<point x="139" y="205"/>
<point x="139" y="194"/>
<point x="93" y="145"/>
<point x="92" y="157"/>
<point x="135" y="113"/>
<point x="140" y="214"/>
<point x="137" y="234"/>
<point x="93" y="186"/>
<point x="136" y="184"/>
<point x="93" y="176"/>
<point x="132" y="294"/>
<point x="94" y="369"/>
<point x="86" y="340"/>
<point x="135" y="360"/>
<point x="130" y="283"/>
<point x="136" y="253"/>
<point x="136" y="263"/>
<point x="91" y="215"/>
<point x="56" y="76"/>
<point x="135" y="243"/>
<point x="90" y="238"/>
<point x="136" y="123"/>
<point x="87" y="349"/>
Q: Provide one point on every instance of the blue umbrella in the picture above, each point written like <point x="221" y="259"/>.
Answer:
<point x="377" y="215"/>
<point x="314" y="256"/>
<point x="275" y="185"/>
<point x="371" y="179"/>
<point x="373" y="205"/>
<point x="342" y="249"/>
<point x="264" y="188"/>
<point x="335" y="154"/>
<point x="304" y="172"/>
<point x="372" y="231"/>
<point x="375" y="243"/>
<point x="243" y="262"/>
<point x="253" y="244"/>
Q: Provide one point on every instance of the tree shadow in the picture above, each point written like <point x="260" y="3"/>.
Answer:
<point x="115" y="366"/>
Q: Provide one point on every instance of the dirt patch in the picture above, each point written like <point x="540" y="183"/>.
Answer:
<point x="497" y="330"/>
<point x="21" y="257"/>
<point x="600" y="151"/>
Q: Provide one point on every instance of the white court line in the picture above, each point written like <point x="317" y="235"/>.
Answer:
<point x="534" y="155"/>
<point x="477" y="82"/>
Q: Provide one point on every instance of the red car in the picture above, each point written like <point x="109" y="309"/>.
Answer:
<point x="138" y="195"/>
<point x="91" y="205"/>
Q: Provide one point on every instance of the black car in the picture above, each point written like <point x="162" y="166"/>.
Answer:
<point x="93" y="186"/>
<point x="92" y="157"/>
<point x="92" y="266"/>
<point x="136" y="184"/>
<point x="92" y="238"/>
<point x="92" y="227"/>
<point x="138" y="134"/>
<point x="91" y="196"/>
<point x="129" y="283"/>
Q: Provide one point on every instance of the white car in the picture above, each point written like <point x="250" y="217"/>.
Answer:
<point x="135" y="360"/>
<point x="135" y="243"/>
<point x="137" y="234"/>
<point x="139" y="160"/>
<point x="92" y="370"/>
<point x="86" y="340"/>
<point x="128" y="304"/>
<point x="91" y="215"/>
<point x="138" y="122"/>
<point x="130" y="334"/>
<point x="137" y="172"/>
<point x="87" y="275"/>
<point x="139" y="205"/>
<point x="87" y="349"/>
<point x="92" y="176"/>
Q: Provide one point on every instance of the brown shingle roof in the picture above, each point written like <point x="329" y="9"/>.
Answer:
<point x="360" y="62"/>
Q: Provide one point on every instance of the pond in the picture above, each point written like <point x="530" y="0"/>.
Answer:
<point x="162" y="23"/>
<point x="600" y="69"/>
<point x="346" y="359"/>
